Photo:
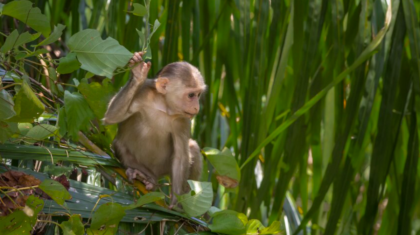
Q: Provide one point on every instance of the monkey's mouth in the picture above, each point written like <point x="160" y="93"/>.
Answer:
<point x="190" y="115"/>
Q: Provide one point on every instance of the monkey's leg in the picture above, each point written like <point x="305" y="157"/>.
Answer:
<point x="148" y="180"/>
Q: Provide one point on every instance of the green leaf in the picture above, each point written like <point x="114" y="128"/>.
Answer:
<point x="23" y="11"/>
<point x="22" y="221"/>
<point x="24" y="128"/>
<point x="198" y="203"/>
<point x="229" y="222"/>
<point x="41" y="132"/>
<point x="139" y="10"/>
<point x="61" y="124"/>
<point x="106" y="219"/>
<point x="145" y="199"/>
<point x="27" y="105"/>
<point x="78" y="113"/>
<point x="58" y="170"/>
<point x="25" y="38"/>
<point x="55" y="190"/>
<point x="68" y="64"/>
<point x="55" y="35"/>
<point x="10" y="41"/>
<point x="73" y="226"/>
<point x="256" y="227"/>
<point x="226" y="166"/>
<point x="98" y="56"/>
<point x="35" y="53"/>
<point x="97" y="95"/>
<point x="7" y="130"/>
<point x="6" y="105"/>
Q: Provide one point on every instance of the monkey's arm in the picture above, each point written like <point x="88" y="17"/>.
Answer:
<point x="119" y="107"/>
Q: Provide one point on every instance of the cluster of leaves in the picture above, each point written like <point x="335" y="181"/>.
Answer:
<point x="59" y="111"/>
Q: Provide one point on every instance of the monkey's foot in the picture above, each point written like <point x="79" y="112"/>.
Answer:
<point x="133" y="174"/>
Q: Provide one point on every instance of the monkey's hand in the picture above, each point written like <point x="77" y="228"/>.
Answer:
<point x="140" y="68"/>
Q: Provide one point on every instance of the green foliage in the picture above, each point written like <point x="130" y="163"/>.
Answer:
<point x="55" y="190"/>
<point x="98" y="56"/>
<point x="78" y="114"/>
<point x="317" y="98"/>
<point x="106" y="219"/>
<point x="32" y="16"/>
<point x="198" y="200"/>
<point x="22" y="221"/>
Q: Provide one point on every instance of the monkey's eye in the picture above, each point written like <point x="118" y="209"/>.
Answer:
<point x="199" y="94"/>
<point x="191" y="95"/>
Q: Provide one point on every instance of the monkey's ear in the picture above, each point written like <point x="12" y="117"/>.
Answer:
<point x="161" y="84"/>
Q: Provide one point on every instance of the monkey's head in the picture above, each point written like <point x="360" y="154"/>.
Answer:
<point x="182" y="85"/>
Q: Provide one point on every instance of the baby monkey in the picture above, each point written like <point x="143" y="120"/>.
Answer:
<point x="154" y="124"/>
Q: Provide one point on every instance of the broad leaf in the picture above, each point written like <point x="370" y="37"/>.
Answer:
<point x="25" y="38"/>
<point x="6" y="105"/>
<point x="7" y="130"/>
<point x="145" y="199"/>
<point x="41" y="132"/>
<point x="98" y="56"/>
<point x="139" y="10"/>
<point x="226" y="166"/>
<point x="229" y="222"/>
<point x="106" y="219"/>
<point x="198" y="200"/>
<point x="24" y="128"/>
<point x="10" y="41"/>
<point x="55" y="35"/>
<point x="78" y="113"/>
<point x="55" y="190"/>
<point x="23" y="11"/>
<point x="256" y="227"/>
<point x="22" y="221"/>
<point x="97" y="95"/>
<point x="27" y="105"/>
<point x="73" y="226"/>
<point x="68" y="64"/>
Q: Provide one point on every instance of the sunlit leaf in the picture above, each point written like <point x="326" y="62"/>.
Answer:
<point x="226" y="166"/>
<point x="23" y="11"/>
<point x="198" y="201"/>
<point x="98" y="56"/>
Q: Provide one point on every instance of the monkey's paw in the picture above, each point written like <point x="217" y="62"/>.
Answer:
<point x="133" y="174"/>
<point x="140" y="68"/>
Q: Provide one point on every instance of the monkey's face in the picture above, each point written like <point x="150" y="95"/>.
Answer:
<point x="182" y="100"/>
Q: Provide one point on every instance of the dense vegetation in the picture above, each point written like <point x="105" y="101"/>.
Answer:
<point x="317" y="101"/>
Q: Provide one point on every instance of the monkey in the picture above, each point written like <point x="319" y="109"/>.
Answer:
<point x="154" y="124"/>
